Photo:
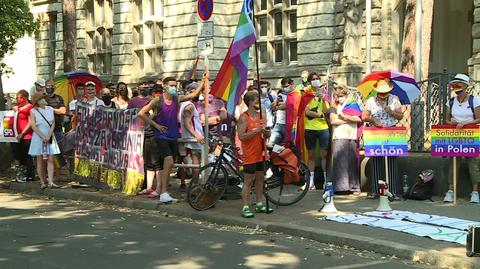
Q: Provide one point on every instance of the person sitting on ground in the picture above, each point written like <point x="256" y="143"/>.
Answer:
<point x="464" y="109"/>
<point x="44" y="144"/>
<point x="251" y="131"/>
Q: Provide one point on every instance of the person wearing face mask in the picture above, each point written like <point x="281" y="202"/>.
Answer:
<point x="316" y="127"/>
<point x="25" y="170"/>
<point x="217" y="113"/>
<point x="107" y="97"/>
<point x="122" y="99"/>
<point x="166" y="129"/>
<point x="44" y="144"/>
<point x="72" y="106"/>
<point x="345" y="169"/>
<point x="142" y="99"/>
<point x="267" y="99"/>
<point x="279" y="107"/>
<point x="464" y="109"/>
<point x="91" y="95"/>
<point x="58" y="104"/>
<point x="303" y="85"/>
<point x="383" y="110"/>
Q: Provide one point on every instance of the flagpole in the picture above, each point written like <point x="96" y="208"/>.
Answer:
<point x="260" y="107"/>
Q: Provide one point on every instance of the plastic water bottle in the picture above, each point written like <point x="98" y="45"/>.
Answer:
<point x="405" y="183"/>
<point x="44" y="152"/>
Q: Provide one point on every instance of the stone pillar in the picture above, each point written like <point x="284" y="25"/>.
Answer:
<point x="474" y="61"/>
<point x="81" y="36"/>
<point x="122" y="58"/>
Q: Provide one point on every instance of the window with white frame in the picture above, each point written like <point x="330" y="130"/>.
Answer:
<point x="148" y="35"/>
<point x="276" y="22"/>
<point x="52" y="42"/>
<point x="99" y="25"/>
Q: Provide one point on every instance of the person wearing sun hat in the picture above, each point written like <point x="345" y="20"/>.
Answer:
<point x="383" y="110"/>
<point x="43" y="142"/>
<point x="464" y="109"/>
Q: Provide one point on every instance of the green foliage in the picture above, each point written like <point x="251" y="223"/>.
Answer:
<point x="16" y="20"/>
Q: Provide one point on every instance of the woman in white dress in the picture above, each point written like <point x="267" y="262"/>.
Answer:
<point x="44" y="145"/>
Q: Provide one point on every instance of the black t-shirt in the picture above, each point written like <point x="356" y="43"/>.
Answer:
<point x="56" y="101"/>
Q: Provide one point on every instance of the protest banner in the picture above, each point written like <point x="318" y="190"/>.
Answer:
<point x="109" y="148"/>
<point x="387" y="141"/>
<point x="8" y="131"/>
<point x="448" y="141"/>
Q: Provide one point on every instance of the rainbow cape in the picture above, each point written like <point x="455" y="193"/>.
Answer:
<point x="231" y="79"/>
<point x="291" y="110"/>
<point x="307" y="96"/>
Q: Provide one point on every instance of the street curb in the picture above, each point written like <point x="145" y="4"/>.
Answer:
<point x="432" y="257"/>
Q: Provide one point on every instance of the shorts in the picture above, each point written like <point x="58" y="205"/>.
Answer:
<point x="278" y="134"/>
<point x="151" y="158"/>
<point x="167" y="148"/>
<point x="254" y="167"/>
<point x="312" y="136"/>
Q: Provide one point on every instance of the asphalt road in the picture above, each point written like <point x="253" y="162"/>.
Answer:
<point x="39" y="233"/>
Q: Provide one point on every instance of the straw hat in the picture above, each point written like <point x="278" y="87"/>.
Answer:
<point x="37" y="97"/>
<point x="382" y="86"/>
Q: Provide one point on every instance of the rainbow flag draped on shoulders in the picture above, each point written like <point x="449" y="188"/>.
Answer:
<point x="231" y="79"/>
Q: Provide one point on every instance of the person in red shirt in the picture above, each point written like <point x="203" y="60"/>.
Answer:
<point x="24" y="130"/>
<point x="251" y="129"/>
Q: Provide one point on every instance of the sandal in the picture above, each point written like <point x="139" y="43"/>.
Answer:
<point x="261" y="208"/>
<point x="145" y="192"/>
<point x="246" y="213"/>
<point x="53" y="186"/>
<point x="153" y="194"/>
<point x="43" y="186"/>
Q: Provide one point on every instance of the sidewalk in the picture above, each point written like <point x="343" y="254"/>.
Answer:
<point x="302" y="220"/>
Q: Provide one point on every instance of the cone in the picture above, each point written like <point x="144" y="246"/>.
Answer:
<point x="328" y="207"/>
<point x="384" y="204"/>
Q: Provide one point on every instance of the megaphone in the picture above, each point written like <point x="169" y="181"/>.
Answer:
<point x="328" y="207"/>
<point x="385" y="196"/>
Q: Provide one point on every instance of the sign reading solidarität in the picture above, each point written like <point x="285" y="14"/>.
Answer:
<point x="387" y="141"/>
<point x="109" y="148"/>
<point x="8" y="129"/>
<point x="449" y="141"/>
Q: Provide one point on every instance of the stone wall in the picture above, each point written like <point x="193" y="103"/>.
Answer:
<point x="474" y="62"/>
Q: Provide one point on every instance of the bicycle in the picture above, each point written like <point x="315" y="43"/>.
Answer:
<point x="204" y="192"/>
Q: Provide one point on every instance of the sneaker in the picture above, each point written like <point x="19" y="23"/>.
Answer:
<point x="474" y="197"/>
<point x="261" y="208"/>
<point x="449" y="197"/>
<point x="166" y="198"/>
<point x="246" y="212"/>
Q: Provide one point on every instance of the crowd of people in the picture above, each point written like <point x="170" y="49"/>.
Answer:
<point x="174" y="109"/>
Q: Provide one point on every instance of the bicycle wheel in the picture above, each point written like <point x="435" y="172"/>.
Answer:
<point x="282" y="194"/>
<point x="205" y="190"/>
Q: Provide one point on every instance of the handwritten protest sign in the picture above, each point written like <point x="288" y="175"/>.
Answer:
<point x="451" y="142"/>
<point x="8" y="129"/>
<point x="109" y="148"/>
<point x="387" y="141"/>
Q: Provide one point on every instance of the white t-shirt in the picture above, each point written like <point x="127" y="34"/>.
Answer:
<point x="344" y="131"/>
<point x="378" y="112"/>
<point x="96" y="102"/>
<point x="282" y="114"/>
<point x="72" y="105"/>
<point x="461" y="112"/>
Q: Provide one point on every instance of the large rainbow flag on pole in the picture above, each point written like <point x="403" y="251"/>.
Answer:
<point x="231" y="79"/>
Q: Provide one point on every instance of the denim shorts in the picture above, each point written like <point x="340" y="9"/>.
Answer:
<point x="278" y="134"/>
<point x="312" y="136"/>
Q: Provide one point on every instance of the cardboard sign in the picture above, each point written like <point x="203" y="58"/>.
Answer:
<point x="448" y="141"/>
<point x="8" y="129"/>
<point x="387" y="141"/>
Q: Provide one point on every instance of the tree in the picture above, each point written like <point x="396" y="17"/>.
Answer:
<point x="69" y="36"/>
<point x="16" y="20"/>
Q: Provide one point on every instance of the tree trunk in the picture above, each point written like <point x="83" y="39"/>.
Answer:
<point x="426" y="35"/>
<point x="69" y="36"/>
<point x="408" y="50"/>
<point x="2" y="95"/>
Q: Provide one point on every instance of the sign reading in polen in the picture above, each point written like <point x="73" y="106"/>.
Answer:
<point x="387" y="141"/>
<point x="205" y="9"/>
<point x="452" y="142"/>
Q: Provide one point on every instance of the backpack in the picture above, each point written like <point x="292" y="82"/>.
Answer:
<point x="470" y="104"/>
<point x="287" y="162"/>
<point x="422" y="189"/>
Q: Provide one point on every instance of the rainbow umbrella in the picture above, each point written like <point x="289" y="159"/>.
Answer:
<point x="65" y="84"/>
<point x="404" y="86"/>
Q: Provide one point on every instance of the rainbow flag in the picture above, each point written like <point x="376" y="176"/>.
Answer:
<point x="192" y="73"/>
<point x="231" y="79"/>
<point x="352" y="108"/>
